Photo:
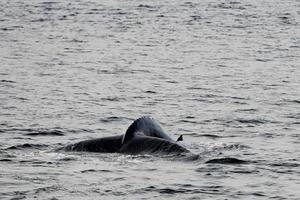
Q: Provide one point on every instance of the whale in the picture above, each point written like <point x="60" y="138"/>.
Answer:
<point x="144" y="136"/>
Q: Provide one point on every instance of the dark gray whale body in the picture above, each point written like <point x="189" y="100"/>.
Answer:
<point x="143" y="136"/>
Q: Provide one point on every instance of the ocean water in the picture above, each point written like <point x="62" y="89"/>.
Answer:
<point x="224" y="74"/>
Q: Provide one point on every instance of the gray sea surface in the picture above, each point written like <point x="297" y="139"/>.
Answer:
<point x="223" y="73"/>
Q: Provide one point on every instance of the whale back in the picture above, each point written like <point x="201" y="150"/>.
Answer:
<point x="145" y="126"/>
<point x="110" y="144"/>
<point x="152" y="145"/>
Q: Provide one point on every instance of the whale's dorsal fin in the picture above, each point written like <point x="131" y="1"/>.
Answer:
<point x="180" y="138"/>
<point x="146" y="126"/>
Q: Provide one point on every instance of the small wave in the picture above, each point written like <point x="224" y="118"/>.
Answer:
<point x="7" y="81"/>
<point x="67" y="159"/>
<point x="222" y="146"/>
<point x="293" y="101"/>
<point x="294" y="116"/>
<point x="113" y="99"/>
<point x="291" y="165"/>
<point x="230" y="5"/>
<point x="235" y="146"/>
<point x="172" y="191"/>
<point x="46" y="133"/>
<point x="5" y="160"/>
<point x="213" y="136"/>
<point x="244" y="171"/>
<point x="35" y="132"/>
<point x="246" y="110"/>
<point x="183" y="189"/>
<point x="166" y="190"/>
<point x="209" y="136"/>
<point x="287" y="19"/>
<point x="147" y="6"/>
<point x="94" y="170"/>
<point x="27" y="146"/>
<point x="113" y="119"/>
<point x="196" y="88"/>
<point x="150" y="92"/>
<point x="251" y="121"/>
<point x="82" y="130"/>
<point x="227" y="161"/>
<point x="188" y="121"/>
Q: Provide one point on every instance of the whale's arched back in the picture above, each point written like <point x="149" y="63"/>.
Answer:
<point x="145" y="126"/>
<point x="144" y="135"/>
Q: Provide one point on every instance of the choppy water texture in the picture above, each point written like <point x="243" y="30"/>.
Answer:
<point x="225" y="74"/>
